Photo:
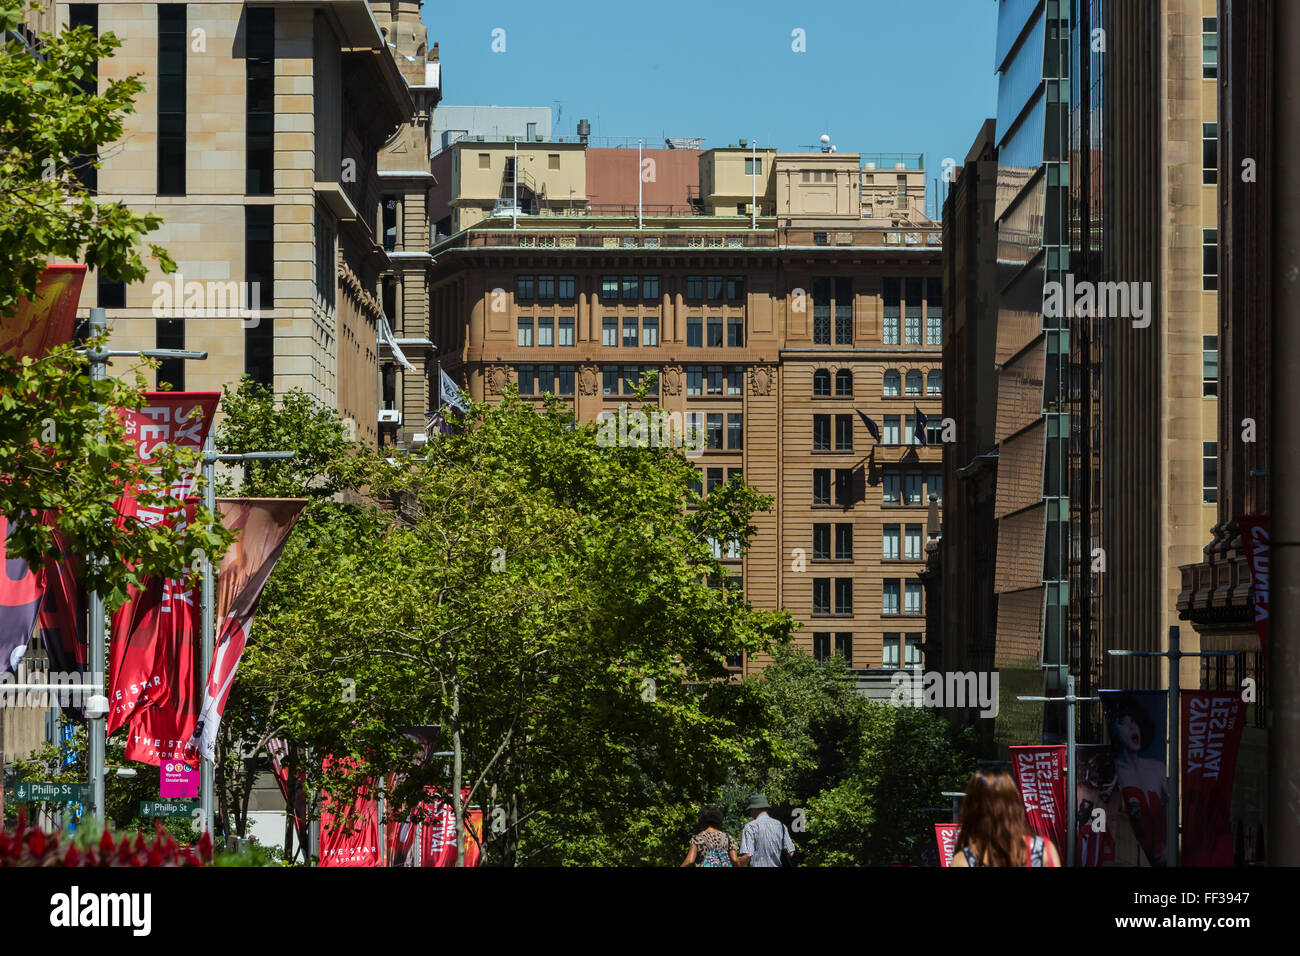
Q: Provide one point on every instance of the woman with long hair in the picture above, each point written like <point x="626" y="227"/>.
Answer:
<point x="994" y="828"/>
<point x="713" y="846"/>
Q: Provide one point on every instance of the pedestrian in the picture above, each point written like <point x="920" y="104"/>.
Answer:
<point x="712" y="846"/>
<point x="763" y="840"/>
<point x="994" y="828"/>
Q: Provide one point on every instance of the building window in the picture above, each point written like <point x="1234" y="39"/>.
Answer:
<point x="259" y="270"/>
<point x="821" y="596"/>
<point x="1210" y="258"/>
<point x="566" y="380"/>
<point x="821" y="311"/>
<point x="608" y="288"/>
<point x="694" y="379"/>
<point x="844" y="542"/>
<point x="1209" y="47"/>
<point x="844" y="647"/>
<point x="912" y="543"/>
<point x="821" y="239"/>
<point x="893" y="383"/>
<point x="753" y="165"/>
<point x="843" y="595"/>
<point x="1210" y="471"/>
<point x="713" y="381"/>
<point x="484" y="160"/>
<point x="694" y="332"/>
<point x="934" y="382"/>
<point x="697" y="486"/>
<point x="609" y="331"/>
<point x="524" y="287"/>
<point x="546" y="287"/>
<point x="912" y="488"/>
<point x="934" y="481"/>
<point x="1209" y="152"/>
<point x="912" y="597"/>
<point x="525" y="331"/>
<point x="546" y="379"/>
<point x="889" y="435"/>
<point x="1210" y="365"/>
<point x="695" y="287"/>
<point x="629" y="332"/>
<point x="843" y="432"/>
<point x="631" y="375"/>
<point x="566" y="288"/>
<point x="843" y="311"/>
<point x="566" y="330"/>
<point x="715" y="288"/>
<point x="259" y="148"/>
<point x="821" y="646"/>
<point x="912" y="386"/>
<point x="889" y="596"/>
<point x="525" y="379"/>
<point x="713" y="433"/>
<point x="736" y="380"/>
<point x="173" y="43"/>
<point x="933" y="311"/>
<point x="821" y="383"/>
<point x="650" y="331"/>
<point x="735" y="331"/>
<point x="890" y="294"/>
<point x="715" y="331"/>
<point x="545" y="330"/>
<point x="735" y="288"/>
<point x="912" y="312"/>
<point x="821" y="542"/>
<point x="109" y="294"/>
<point x="933" y="433"/>
<point x="649" y="287"/>
<point x="821" y="433"/>
<point x="83" y="165"/>
<point x="844" y="383"/>
<point x="609" y="379"/>
<point x="631" y="287"/>
<point x="170" y="334"/>
<point x="889" y="650"/>
<point x="889" y="549"/>
<point x="735" y="430"/>
<point x="913" y="644"/>
<point x="889" y="483"/>
<point x="821" y="486"/>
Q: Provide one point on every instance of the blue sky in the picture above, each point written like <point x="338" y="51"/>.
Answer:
<point x="913" y="76"/>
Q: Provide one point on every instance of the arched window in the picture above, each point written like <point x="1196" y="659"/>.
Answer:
<point x="821" y="382"/>
<point x="843" y="382"/>
<point x="934" y="382"/>
<point x="913" y="382"/>
<point x="892" y="381"/>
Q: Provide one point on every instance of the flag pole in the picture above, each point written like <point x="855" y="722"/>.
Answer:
<point x="98" y="703"/>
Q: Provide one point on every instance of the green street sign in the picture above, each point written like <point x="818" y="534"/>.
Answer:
<point x="54" y="792"/>
<point x="168" y="808"/>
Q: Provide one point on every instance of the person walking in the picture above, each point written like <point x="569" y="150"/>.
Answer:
<point x="712" y="846"/>
<point x="994" y="828"/>
<point x="763" y="840"/>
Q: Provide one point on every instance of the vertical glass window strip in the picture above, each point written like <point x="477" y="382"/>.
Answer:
<point x="1209" y="47"/>
<point x="1210" y="258"/>
<point x="259" y="270"/>
<point x="890" y="295"/>
<point x="525" y="331"/>
<point x="609" y="331"/>
<point x="821" y="311"/>
<point x="844" y="311"/>
<point x="1209" y="152"/>
<point x="566" y="330"/>
<point x="545" y="330"/>
<point x="525" y="378"/>
<point x="736" y="380"/>
<point x="934" y="311"/>
<point x="173" y="44"/>
<point x="889" y="596"/>
<point x="650" y="331"/>
<point x="889" y="549"/>
<point x="629" y="331"/>
<point x="694" y="331"/>
<point x="83" y="165"/>
<point x="1210" y="365"/>
<point x="1210" y="471"/>
<point x="912" y="312"/>
<point x="844" y="542"/>
<point x="821" y="542"/>
<point x="735" y="430"/>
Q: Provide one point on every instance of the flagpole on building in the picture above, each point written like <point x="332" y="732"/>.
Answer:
<point x="639" y="180"/>
<point x="753" y="185"/>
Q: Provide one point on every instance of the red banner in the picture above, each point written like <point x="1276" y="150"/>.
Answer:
<point x="349" y="837"/>
<point x="1040" y="773"/>
<point x="1097" y="804"/>
<point x="46" y="320"/>
<point x="263" y="525"/>
<point x="1212" y="723"/>
<point x="946" y="835"/>
<point x="21" y="590"/>
<point x="138" y="676"/>
<point x="438" y="833"/>
<point x="1254" y="541"/>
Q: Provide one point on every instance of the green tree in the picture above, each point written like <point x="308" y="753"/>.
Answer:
<point x="61" y="454"/>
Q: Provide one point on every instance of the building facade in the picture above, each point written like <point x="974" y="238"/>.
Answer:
<point x="770" y="335"/>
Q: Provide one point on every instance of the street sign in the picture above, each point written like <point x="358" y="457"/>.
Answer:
<point x="55" y="792"/>
<point x="168" y="808"/>
<point x="177" y="779"/>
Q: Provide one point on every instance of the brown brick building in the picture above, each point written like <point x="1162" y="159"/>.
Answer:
<point x="770" y="337"/>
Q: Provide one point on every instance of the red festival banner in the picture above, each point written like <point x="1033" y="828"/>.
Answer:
<point x="263" y="525"/>
<point x="946" y="835"/>
<point x="349" y="837"/>
<point x="1254" y="542"/>
<point x="1040" y="773"/>
<point x="438" y="833"/>
<point x="1212" y="723"/>
<point x="45" y="321"/>
<point x="135" y="679"/>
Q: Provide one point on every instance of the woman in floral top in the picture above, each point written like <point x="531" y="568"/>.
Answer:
<point x="713" y="846"/>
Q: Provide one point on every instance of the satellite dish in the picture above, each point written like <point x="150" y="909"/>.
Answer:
<point x="825" y="139"/>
